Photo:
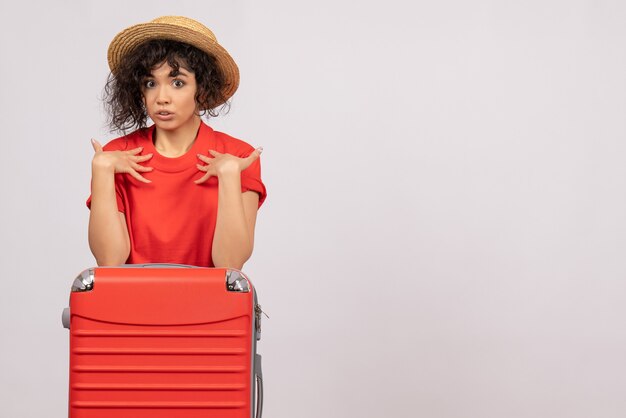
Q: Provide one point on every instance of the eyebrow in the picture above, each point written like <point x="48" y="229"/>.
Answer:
<point x="178" y="73"/>
<point x="173" y="73"/>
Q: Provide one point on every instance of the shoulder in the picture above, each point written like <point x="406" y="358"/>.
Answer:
<point x="129" y="141"/>
<point x="232" y="145"/>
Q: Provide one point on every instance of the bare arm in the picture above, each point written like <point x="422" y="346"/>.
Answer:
<point x="108" y="233"/>
<point x="233" y="241"/>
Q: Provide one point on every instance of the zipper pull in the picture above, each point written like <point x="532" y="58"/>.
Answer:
<point x="257" y="314"/>
<point x="259" y="306"/>
<point x="258" y="311"/>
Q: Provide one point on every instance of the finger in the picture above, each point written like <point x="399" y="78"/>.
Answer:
<point x="138" y="176"/>
<point x="96" y="145"/>
<point x="141" y="168"/>
<point x="135" y="151"/>
<point x="201" y="167"/>
<point x="141" y="158"/>
<point x="213" y="152"/>
<point x="205" y="158"/>
<point x="203" y="178"/>
<point x="255" y="154"/>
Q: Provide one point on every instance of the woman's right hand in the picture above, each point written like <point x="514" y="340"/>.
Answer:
<point x="121" y="161"/>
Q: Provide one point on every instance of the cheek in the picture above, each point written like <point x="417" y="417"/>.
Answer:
<point x="191" y="102"/>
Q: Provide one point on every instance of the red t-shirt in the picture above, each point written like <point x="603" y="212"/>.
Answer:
<point x="172" y="219"/>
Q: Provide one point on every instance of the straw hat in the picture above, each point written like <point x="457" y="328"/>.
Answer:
<point x="177" y="28"/>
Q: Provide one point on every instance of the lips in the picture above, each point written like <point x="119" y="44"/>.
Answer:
<point x="164" y="115"/>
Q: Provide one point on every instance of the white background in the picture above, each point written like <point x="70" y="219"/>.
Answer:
<point x="445" y="227"/>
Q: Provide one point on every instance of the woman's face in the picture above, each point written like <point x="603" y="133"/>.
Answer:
<point x="169" y="97"/>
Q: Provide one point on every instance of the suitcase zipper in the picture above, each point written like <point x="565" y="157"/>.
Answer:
<point x="257" y="313"/>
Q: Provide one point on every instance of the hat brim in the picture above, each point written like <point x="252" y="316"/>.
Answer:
<point x="130" y="38"/>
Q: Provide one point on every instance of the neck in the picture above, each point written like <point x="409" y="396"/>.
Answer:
<point x="177" y="142"/>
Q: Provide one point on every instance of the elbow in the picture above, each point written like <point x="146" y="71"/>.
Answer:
<point x="231" y="259"/>
<point x="110" y="261"/>
<point x="110" y="258"/>
<point x="229" y="264"/>
<point x="232" y="262"/>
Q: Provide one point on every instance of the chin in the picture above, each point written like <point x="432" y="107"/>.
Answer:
<point x="172" y="125"/>
<point x="166" y="126"/>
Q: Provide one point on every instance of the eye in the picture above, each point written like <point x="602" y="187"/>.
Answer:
<point x="149" y="84"/>
<point x="178" y="83"/>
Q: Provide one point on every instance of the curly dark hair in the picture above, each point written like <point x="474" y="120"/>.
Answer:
<point x="123" y="97"/>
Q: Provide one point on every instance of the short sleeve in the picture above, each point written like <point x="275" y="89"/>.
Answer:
<point x="251" y="179"/>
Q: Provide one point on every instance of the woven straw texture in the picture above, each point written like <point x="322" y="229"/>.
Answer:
<point x="177" y="28"/>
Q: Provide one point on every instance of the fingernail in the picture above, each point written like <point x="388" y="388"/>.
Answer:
<point x="260" y="150"/>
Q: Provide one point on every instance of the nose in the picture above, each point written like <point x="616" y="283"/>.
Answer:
<point x="163" y="96"/>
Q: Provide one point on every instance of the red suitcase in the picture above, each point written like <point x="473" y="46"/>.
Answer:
<point x="163" y="341"/>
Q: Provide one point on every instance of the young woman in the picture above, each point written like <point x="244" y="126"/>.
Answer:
<point x="175" y="191"/>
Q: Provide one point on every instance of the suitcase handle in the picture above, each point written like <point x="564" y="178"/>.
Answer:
<point x="258" y="371"/>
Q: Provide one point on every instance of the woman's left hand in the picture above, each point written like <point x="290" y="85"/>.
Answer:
<point x="224" y="163"/>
